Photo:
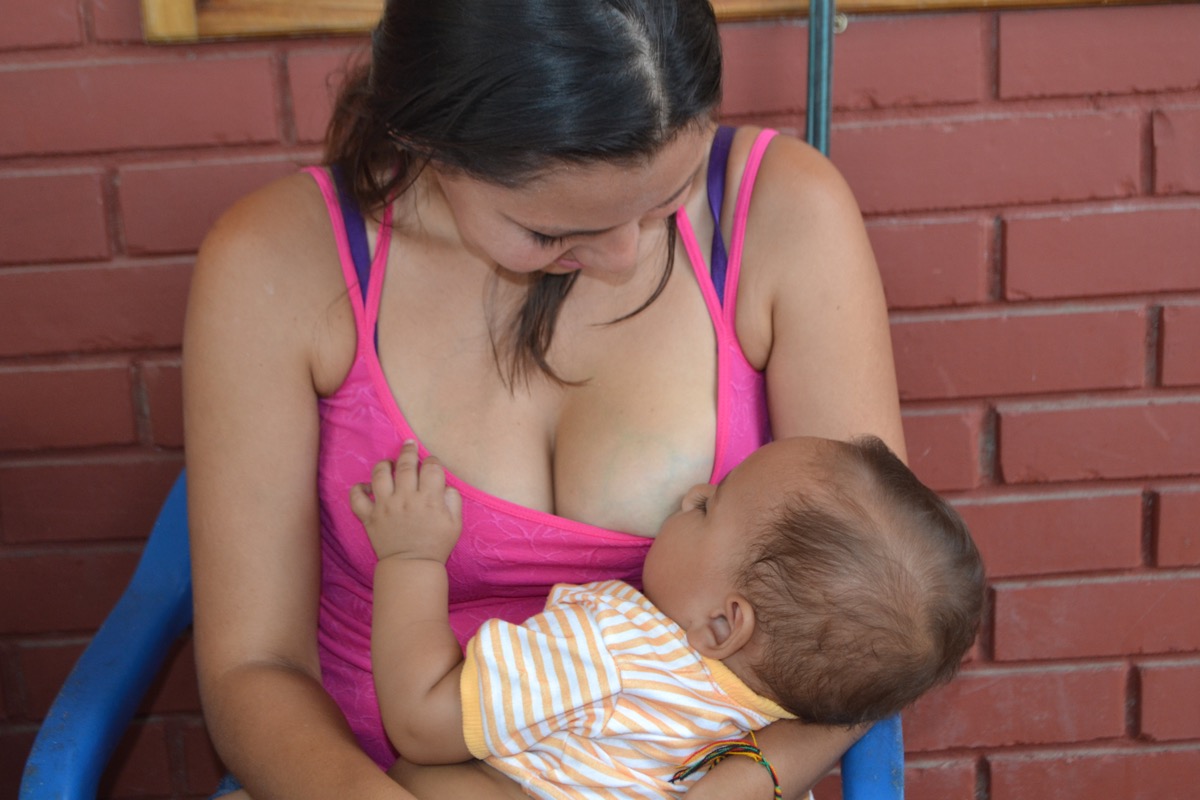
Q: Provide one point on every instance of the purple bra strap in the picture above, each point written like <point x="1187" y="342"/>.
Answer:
<point x="717" y="162"/>
<point x="356" y="231"/>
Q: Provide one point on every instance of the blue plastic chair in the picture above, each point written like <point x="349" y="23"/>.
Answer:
<point x="94" y="707"/>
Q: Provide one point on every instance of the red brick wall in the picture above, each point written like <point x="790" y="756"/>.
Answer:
<point x="1032" y="186"/>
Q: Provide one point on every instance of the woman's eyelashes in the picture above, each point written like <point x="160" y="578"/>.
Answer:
<point x="543" y="240"/>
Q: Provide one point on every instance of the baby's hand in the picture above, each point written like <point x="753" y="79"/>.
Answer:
<point x="413" y="514"/>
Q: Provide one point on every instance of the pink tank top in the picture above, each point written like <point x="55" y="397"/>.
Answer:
<point x="508" y="556"/>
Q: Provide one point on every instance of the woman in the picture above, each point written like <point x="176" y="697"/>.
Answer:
<point x="525" y="297"/>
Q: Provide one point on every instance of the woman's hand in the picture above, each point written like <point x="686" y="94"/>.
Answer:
<point x="800" y="755"/>
<point x="734" y="779"/>
<point x="408" y="510"/>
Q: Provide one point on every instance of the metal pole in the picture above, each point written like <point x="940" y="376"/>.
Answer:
<point x="820" y="73"/>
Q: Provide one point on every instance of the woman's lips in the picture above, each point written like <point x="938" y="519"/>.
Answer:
<point x="567" y="264"/>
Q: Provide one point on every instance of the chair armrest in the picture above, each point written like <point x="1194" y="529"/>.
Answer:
<point x="873" y="769"/>
<point x="93" y="709"/>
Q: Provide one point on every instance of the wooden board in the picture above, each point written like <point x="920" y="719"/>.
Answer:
<point x="192" y="20"/>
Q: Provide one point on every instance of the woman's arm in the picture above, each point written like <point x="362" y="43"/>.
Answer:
<point x="800" y="755"/>
<point x="259" y="314"/>
<point x="811" y="309"/>
<point x="811" y="313"/>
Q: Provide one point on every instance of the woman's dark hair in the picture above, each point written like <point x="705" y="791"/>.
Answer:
<point x="503" y="90"/>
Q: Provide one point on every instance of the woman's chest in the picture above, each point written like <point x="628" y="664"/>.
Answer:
<point x="616" y="446"/>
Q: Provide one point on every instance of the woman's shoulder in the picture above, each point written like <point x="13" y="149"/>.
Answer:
<point x="801" y="208"/>
<point x="277" y="223"/>
<point x="270" y="265"/>
<point x="796" y="183"/>
<point x="279" y="239"/>
<point x="806" y="247"/>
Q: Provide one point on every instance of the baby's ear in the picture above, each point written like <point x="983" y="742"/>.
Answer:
<point x="728" y="629"/>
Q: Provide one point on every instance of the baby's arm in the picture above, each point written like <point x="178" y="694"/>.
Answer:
<point x="414" y="521"/>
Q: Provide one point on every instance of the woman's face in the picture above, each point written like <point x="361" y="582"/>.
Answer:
<point x="599" y="218"/>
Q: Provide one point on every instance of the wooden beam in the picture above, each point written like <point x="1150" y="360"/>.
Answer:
<point x="189" y="20"/>
<point x="169" y="20"/>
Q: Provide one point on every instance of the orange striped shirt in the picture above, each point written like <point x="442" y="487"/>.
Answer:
<point x="599" y="696"/>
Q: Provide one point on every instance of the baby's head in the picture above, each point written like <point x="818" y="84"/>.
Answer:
<point x="826" y="575"/>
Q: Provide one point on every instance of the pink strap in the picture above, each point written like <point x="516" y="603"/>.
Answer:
<point x="365" y="314"/>
<point x="741" y="213"/>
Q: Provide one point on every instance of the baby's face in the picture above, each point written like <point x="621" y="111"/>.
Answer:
<point x="695" y="556"/>
<point x="700" y="549"/>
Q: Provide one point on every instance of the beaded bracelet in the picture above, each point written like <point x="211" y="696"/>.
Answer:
<point x="710" y="756"/>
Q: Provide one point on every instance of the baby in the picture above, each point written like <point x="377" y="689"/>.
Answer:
<point x="820" y="580"/>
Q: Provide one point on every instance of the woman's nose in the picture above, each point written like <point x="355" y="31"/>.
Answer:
<point x="614" y="250"/>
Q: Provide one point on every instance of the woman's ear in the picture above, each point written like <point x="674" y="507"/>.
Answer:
<point x="728" y="628"/>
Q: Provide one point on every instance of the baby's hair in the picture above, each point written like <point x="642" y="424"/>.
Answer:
<point x="868" y="590"/>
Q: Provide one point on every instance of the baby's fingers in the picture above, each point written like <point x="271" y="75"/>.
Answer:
<point x="406" y="466"/>
<point x="454" y="503"/>
<point x="383" y="483"/>
<point x="433" y="476"/>
<point x="361" y="502"/>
